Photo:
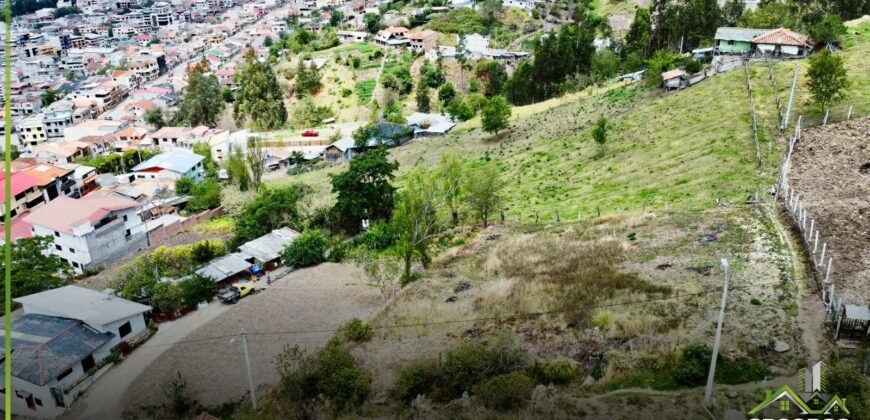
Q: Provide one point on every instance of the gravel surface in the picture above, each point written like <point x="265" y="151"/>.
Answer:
<point x="317" y="299"/>
<point x="831" y="172"/>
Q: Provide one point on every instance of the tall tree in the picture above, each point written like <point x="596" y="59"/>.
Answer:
<point x="271" y="209"/>
<point x="493" y="75"/>
<point x="416" y="219"/>
<point x="258" y="98"/>
<point x="202" y="103"/>
<point x="255" y="158"/>
<point x="365" y="191"/>
<point x="732" y="11"/>
<point x="238" y="171"/>
<point x="483" y="188"/>
<point x="372" y="22"/>
<point x="495" y="115"/>
<point x="154" y="116"/>
<point x="637" y="40"/>
<point x="829" y="30"/>
<point x="451" y="172"/>
<point x="520" y="88"/>
<point x="49" y="97"/>
<point x="423" y="104"/>
<point x="828" y="81"/>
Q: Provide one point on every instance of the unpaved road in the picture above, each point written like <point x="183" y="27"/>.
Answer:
<point x="302" y="308"/>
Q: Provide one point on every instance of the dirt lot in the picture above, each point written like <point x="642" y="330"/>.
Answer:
<point x="831" y="171"/>
<point x="316" y="299"/>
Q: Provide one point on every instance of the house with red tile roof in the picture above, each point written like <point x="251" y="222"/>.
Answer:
<point x="90" y="232"/>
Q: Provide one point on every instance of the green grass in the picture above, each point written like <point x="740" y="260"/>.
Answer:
<point x="364" y="90"/>
<point x="362" y="48"/>
<point x="657" y="379"/>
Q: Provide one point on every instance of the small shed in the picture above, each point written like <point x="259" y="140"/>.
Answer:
<point x="853" y="322"/>
<point x="675" y="79"/>
<point x="266" y="250"/>
<point x="340" y="151"/>
<point x="227" y="269"/>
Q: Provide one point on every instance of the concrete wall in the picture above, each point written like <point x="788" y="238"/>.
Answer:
<point x="161" y="234"/>
<point x="137" y="323"/>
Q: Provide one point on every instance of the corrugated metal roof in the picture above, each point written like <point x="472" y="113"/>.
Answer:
<point x="180" y="161"/>
<point x="225" y="267"/>
<point x="738" y="34"/>
<point x="45" y="346"/>
<point x="268" y="247"/>
<point x="74" y="302"/>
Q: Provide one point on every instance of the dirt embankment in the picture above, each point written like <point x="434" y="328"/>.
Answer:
<point x="831" y="172"/>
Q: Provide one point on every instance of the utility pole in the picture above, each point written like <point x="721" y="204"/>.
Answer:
<point x="248" y="366"/>
<point x="708" y="393"/>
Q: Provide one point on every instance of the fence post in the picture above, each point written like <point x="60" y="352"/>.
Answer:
<point x="828" y="272"/>
<point x="824" y="248"/>
<point x="812" y="226"/>
<point x="790" y="98"/>
<point x="849" y="115"/>
<point x="816" y="243"/>
<point x="825" y="120"/>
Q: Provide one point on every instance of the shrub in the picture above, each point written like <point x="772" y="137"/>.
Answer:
<point x="331" y="372"/>
<point x="755" y="301"/>
<point x="379" y="236"/>
<point x="692" y="66"/>
<point x="602" y="319"/>
<point x="418" y="378"/>
<point x="307" y="250"/>
<point x="556" y="371"/>
<point x="692" y="370"/>
<point x="471" y="363"/>
<point x="357" y="331"/>
<point x="507" y="392"/>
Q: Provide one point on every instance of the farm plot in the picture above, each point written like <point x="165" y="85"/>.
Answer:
<point x="831" y="172"/>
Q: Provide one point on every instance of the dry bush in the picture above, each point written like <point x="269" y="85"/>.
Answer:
<point x="576" y="274"/>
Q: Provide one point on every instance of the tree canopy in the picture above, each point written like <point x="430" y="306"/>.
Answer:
<point x="273" y="208"/>
<point x="828" y="82"/>
<point x="34" y="268"/>
<point x="203" y="102"/>
<point x="365" y="190"/>
<point x="258" y="98"/>
<point x="495" y="115"/>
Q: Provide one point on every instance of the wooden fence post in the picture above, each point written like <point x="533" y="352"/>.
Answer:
<point x="822" y="258"/>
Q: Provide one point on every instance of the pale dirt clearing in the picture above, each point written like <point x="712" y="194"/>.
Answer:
<point x="318" y="299"/>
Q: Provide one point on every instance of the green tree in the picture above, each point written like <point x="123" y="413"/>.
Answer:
<point x="732" y="11"/>
<point x="599" y="133"/>
<point x="267" y="42"/>
<point x="637" y="40"/>
<point x="460" y="110"/>
<point x="495" y="115"/>
<point x="520" y="88"/>
<point x="828" y="82"/>
<point x="446" y="93"/>
<point x="203" y="103"/>
<point x="255" y="158"/>
<point x="307" y="79"/>
<point x="829" y="30"/>
<point x="660" y="62"/>
<point x="769" y="15"/>
<point x="204" y="196"/>
<point x="183" y="185"/>
<point x="258" y="98"/>
<point x="483" y="191"/>
<point x="451" y="172"/>
<point x="154" y="117"/>
<point x="365" y="191"/>
<point x="204" y="149"/>
<point x="238" y="170"/>
<point x="227" y="95"/>
<point x="416" y="219"/>
<point x="489" y="11"/>
<point x="423" y="104"/>
<point x="336" y="18"/>
<point x="34" y="268"/>
<point x="273" y="208"/>
<point x="49" y="97"/>
<point x="493" y="76"/>
<point x="604" y="65"/>
<point x="196" y="289"/>
<point x="307" y="250"/>
<point x="373" y="22"/>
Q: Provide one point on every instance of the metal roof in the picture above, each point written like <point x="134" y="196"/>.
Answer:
<point x="93" y="307"/>
<point x="268" y="247"/>
<point x="43" y="347"/>
<point x="738" y="34"/>
<point x="858" y="312"/>
<point x="180" y="161"/>
<point x="225" y="267"/>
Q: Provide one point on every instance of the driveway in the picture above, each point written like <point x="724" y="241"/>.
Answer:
<point x="302" y="308"/>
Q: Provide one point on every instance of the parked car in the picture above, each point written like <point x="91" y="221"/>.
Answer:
<point x="236" y="292"/>
<point x="310" y="133"/>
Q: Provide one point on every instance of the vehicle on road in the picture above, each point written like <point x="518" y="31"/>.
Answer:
<point x="236" y="292"/>
<point x="310" y="133"/>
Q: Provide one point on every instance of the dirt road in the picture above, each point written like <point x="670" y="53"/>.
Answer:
<point x="302" y="308"/>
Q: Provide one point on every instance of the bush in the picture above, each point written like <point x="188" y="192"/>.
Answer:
<point x="471" y="363"/>
<point x="692" y="370"/>
<point x="692" y="66"/>
<point x="331" y="372"/>
<point x="418" y="378"/>
<point x="307" y="250"/>
<point x="379" y="236"/>
<point x="357" y="331"/>
<point x="556" y="371"/>
<point x="507" y="392"/>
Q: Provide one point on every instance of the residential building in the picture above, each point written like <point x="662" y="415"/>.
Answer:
<point x="25" y="193"/>
<point x="781" y="42"/>
<point x="90" y="232"/>
<point x="31" y="131"/>
<point x="102" y="96"/>
<point x="736" y="40"/>
<point x="351" y="37"/>
<point x="145" y="68"/>
<point x="160" y="15"/>
<point x="52" y="181"/>
<point x="392" y="37"/>
<point x="25" y="105"/>
<point x="60" y="339"/>
<point x="173" y="165"/>
<point x="93" y="128"/>
<point x="169" y="138"/>
<point x="266" y="250"/>
<point x="423" y="41"/>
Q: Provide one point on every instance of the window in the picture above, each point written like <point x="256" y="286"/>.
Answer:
<point x="125" y="217"/>
<point x="88" y="363"/>
<point x="784" y="406"/>
<point x="38" y="401"/>
<point x="72" y="251"/>
<point x="125" y="329"/>
<point x="58" y="247"/>
<point x="57" y="234"/>
<point x="64" y="374"/>
<point x="75" y="264"/>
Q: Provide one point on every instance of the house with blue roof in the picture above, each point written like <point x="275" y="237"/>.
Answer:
<point x="172" y="165"/>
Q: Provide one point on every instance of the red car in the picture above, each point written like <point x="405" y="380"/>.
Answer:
<point x="309" y="133"/>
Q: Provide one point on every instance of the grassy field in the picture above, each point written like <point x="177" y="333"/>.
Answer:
<point x="364" y="90"/>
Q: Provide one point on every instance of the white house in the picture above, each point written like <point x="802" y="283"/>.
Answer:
<point x="61" y="337"/>
<point x="173" y="164"/>
<point x="92" y="231"/>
